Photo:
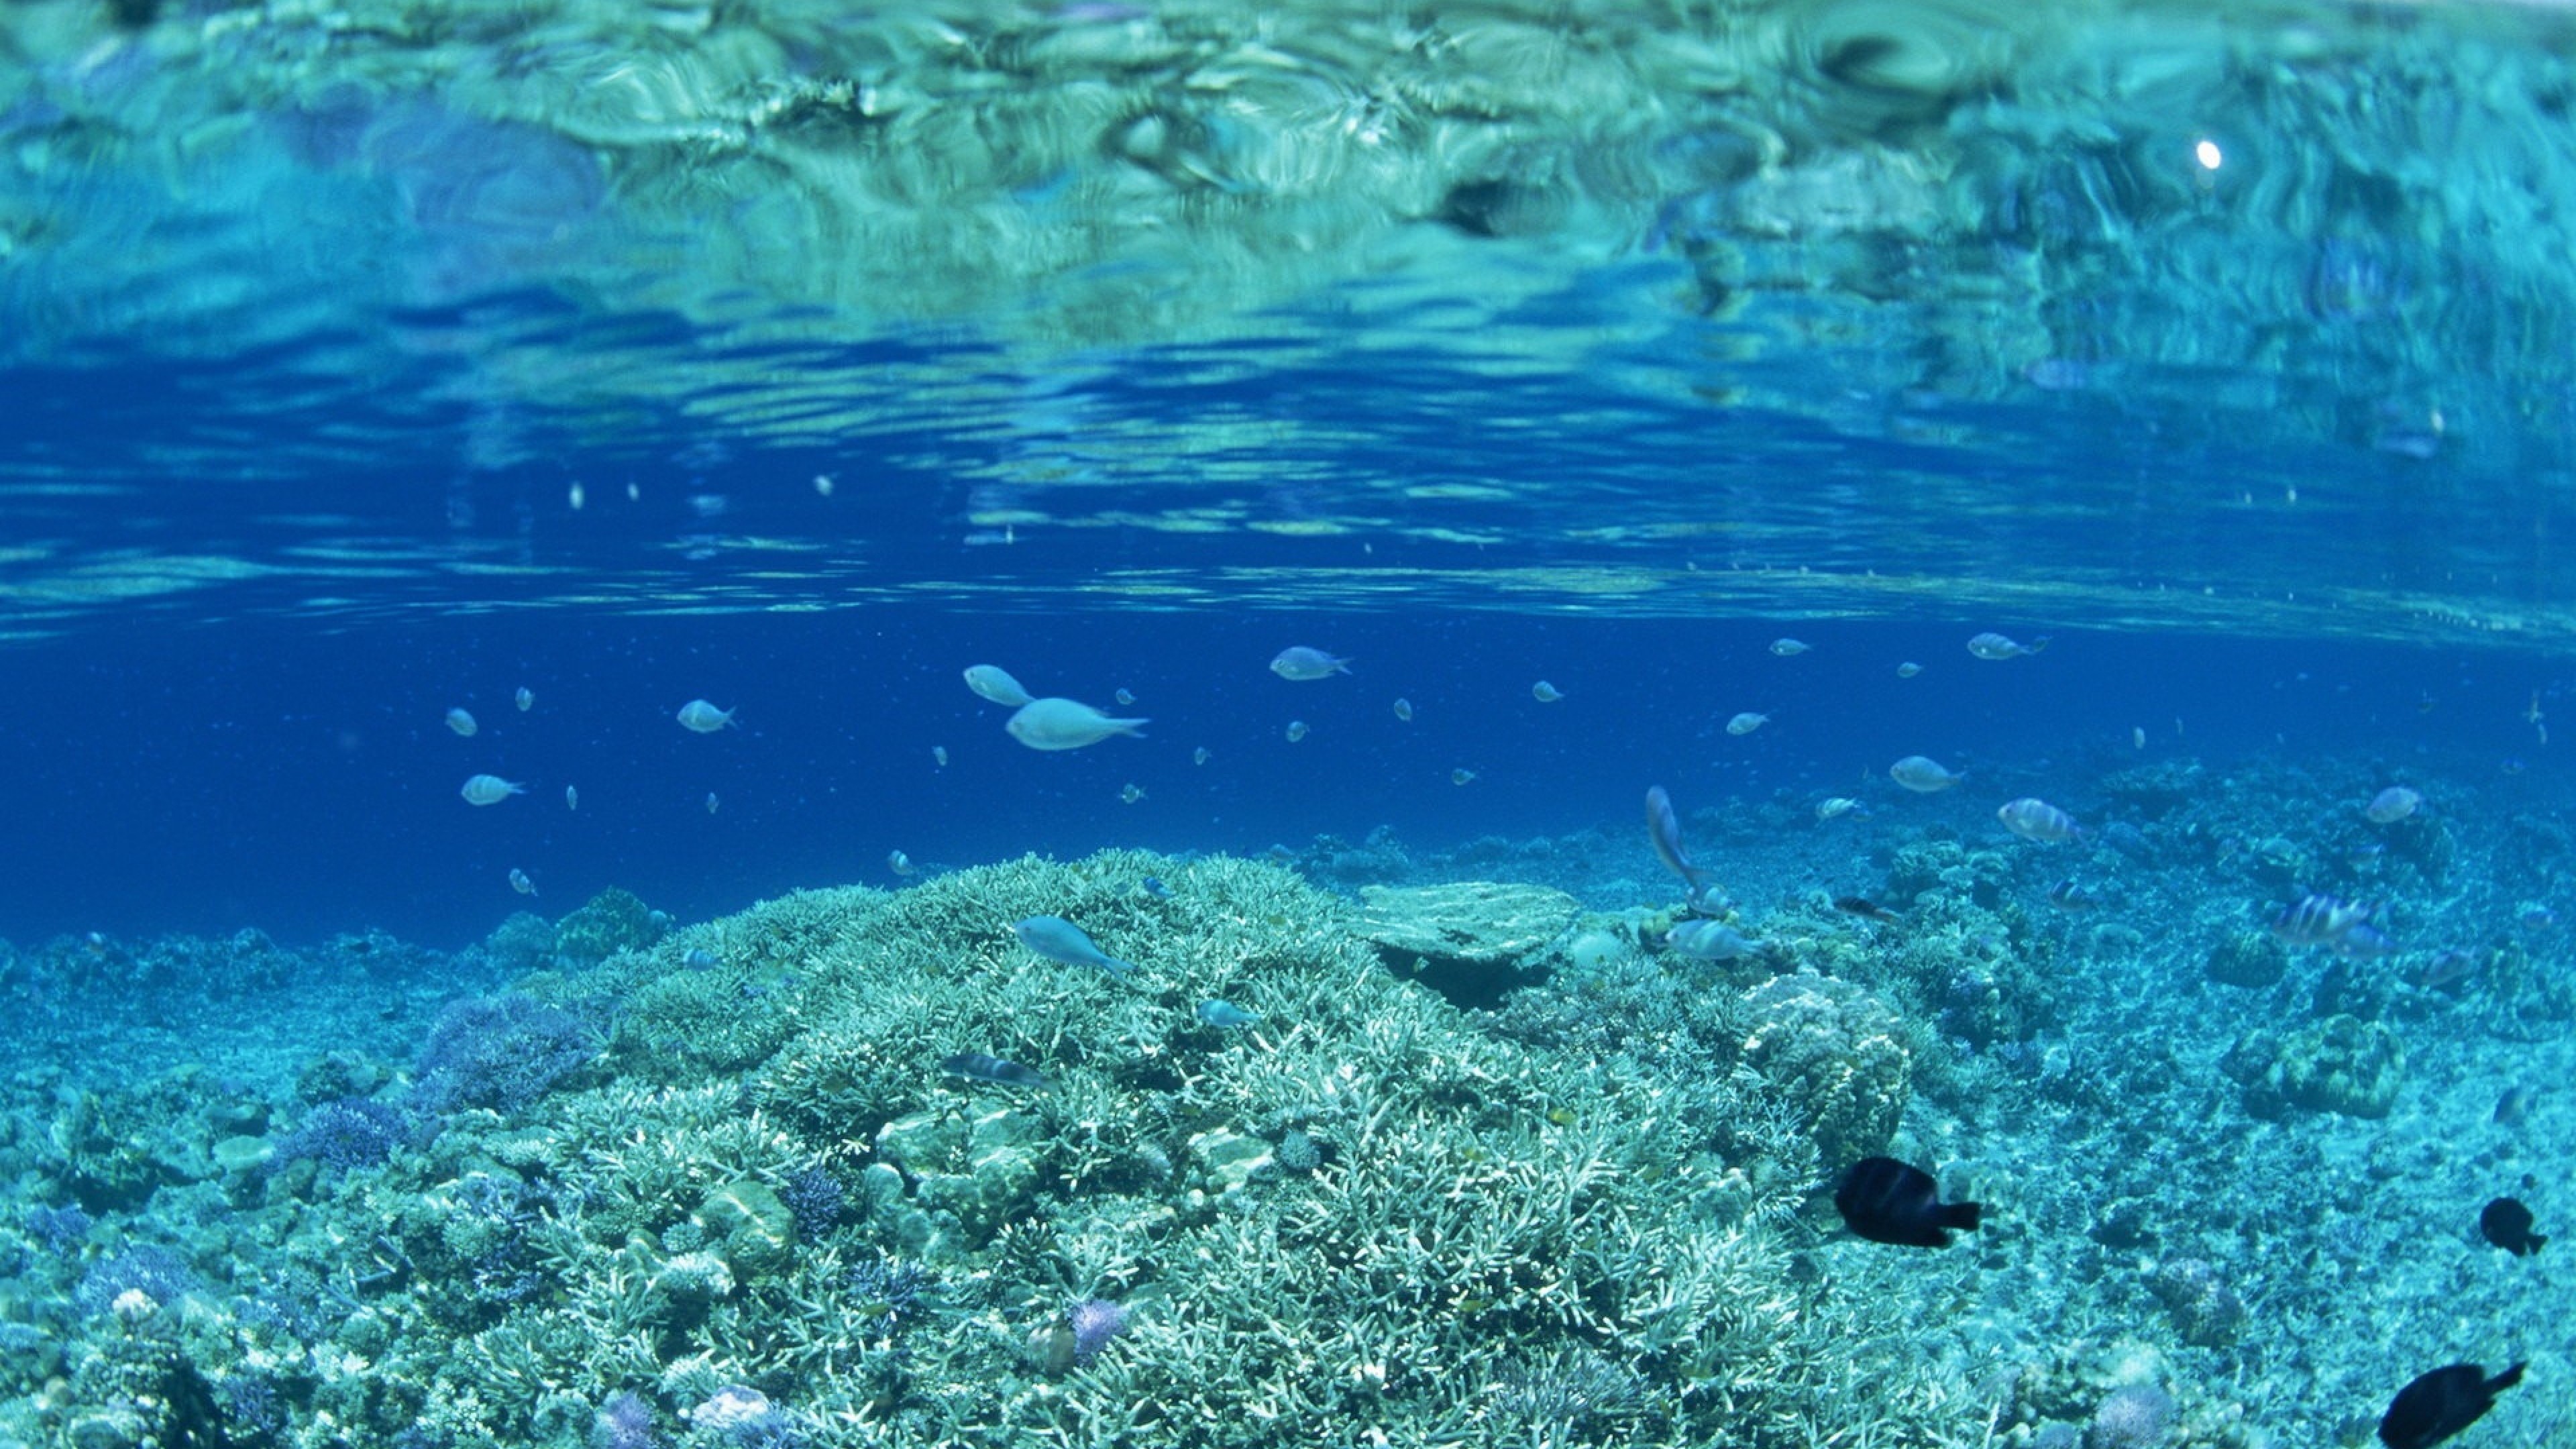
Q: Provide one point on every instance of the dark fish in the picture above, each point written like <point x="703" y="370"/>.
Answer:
<point x="1866" y="909"/>
<point x="2068" y="895"/>
<point x="1153" y="886"/>
<point x="1665" y="829"/>
<point x="2442" y="1403"/>
<point x="2507" y="1224"/>
<point x="1887" y="1201"/>
<point x="991" y="1069"/>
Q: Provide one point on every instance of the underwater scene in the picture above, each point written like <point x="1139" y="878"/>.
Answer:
<point x="1772" y="724"/>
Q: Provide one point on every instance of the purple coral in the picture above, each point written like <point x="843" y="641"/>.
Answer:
<point x="1095" y="1321"/>
<point x="501" y="1052"/>
<point x="351" y="1133"/>
<point x="625" y="1421"/>
<point x="2137" y="1417"/>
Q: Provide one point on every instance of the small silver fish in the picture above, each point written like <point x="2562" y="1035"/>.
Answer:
<point x="939" y="756"/>
<point x="900" y="863"/>
<point x="699" y="958"/>
<point x="1299" y="663"/>
<point x="461" y="722"/>
<point x="1296" y="730"/>
<point x="1788" y="648"/>
<point x="1130" y="793"/>
<point x="1462" y="776"/>
<point x="1546" y="693"/>
<point x="2340" y="926"/>
<point x="713" y="804"/>
<point x="1226" y="1014"/>
<point x="524" y="699"/>
<point x="1996" y="646"/>
<point x="983" y="1068"/>
<point x="1123" y="697"/>
<point x="519" y="882"/>
<point x="1908" y="669"/>
<point x="1922" y="776"/>
<point x="1746" y="723"/>
<point x="1063" y="942"/>
<point x="2391" y="805"/>
<point x="572" y="798"/>
<point x="1404" y="710"/>
<point x="1835" y="807"/>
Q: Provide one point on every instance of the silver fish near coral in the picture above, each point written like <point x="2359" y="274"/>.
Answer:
<point x="1922" y="776"/>
<point x="1711" y="941"/>
<point x="1066" y="724"/>
<point x="2036" y="819"/>
<point x="1061" y="941"/>
<point x="1664" y="828"/>
<point x="983" y="1068"/>
<point x="1226" y="1014"/>
<point x="2391" y="805"/>
<point x="1301" y="664"/>
<point x="2340" y="926"/>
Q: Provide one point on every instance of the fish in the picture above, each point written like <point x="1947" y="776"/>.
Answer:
<point x="1300" y="664"/>
<point x="1296" y="730"/>
<point x="1546" y="693"/>
<point x="1065" y="724"/>
<point x="985" y="1068"/>
<point x="462" y="722"/>
<point x="1991" y="645"/>
<point x="1887" y="1201"/>
<point x="1835" y="807"/>
<point x="1788" y="648"/>
<point x="2506" y="1223"/>
<point x="900" y="863"/>
<point x="2514" y="1105"/>
<point x="995" y="685"/>
<point x="1746" y="723"/>
<point x="1130" y="793"/>
<point x="1200" y="756"/>
<point x="525" y="699"/>
<point x="489" y="790"/>
<point x="713" y="804"/>
<point x="2537" y="918"/>
<point x="1404" y="710"/>
<point x="1124" y="698"/>
<point x="2391" y="805"/>
<point x="2448" y="968"/>
<point x="2035" y="819"/>
<point x="700" y="717"/>
<point x="1706" y="940"/>
<point x="1462" y="776"/>
<point x="1867" y="909"/>
<point x="572" y="798"/>
<point x="2137" y="737"/>
<point x="1908" y="669"/>
<point x="1063" y="942"/>
<point x="699" y="958"/>
<point x="2070" y="895"/>
<point x="519" y="882"/>
<point x="2340" y="926"/>
<point x="1922" y="776"/>
<point x="1226" y="1014"/>
<point x="1152" y="885"/>
<point x="1664" y="828"/>
<point x="939" y="756"/>
<point x="2440" y="1404"/>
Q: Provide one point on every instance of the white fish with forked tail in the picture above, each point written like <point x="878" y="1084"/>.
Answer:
<point x="1060" y="940"/>
<point x="2035" y="819"/>
<point x="993" y="683"/>
<point x="1066" y="724"/>
<point x="1299" y="663"/>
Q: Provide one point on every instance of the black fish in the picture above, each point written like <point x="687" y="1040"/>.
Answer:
<point x="991" y="1069"/>
<point x="2507" y="1224"/>
<point x="2442" y="1403"/>
<point x="1886" y="1201"/>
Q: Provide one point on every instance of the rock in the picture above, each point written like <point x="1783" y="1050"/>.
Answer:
<point x="1228" y="1159"/>
<point x="2341" y="1064"/>
<point x="980" y="1170"/>
<point x="1472" y="941"/>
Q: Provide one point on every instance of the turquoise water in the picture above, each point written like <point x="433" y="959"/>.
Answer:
<point x="403" y="394"/>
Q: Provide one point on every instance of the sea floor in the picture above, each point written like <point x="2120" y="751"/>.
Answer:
<point x="1529" y="1178"/>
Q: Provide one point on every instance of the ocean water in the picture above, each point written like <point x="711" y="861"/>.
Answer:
<point x="1586" y="379"/>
